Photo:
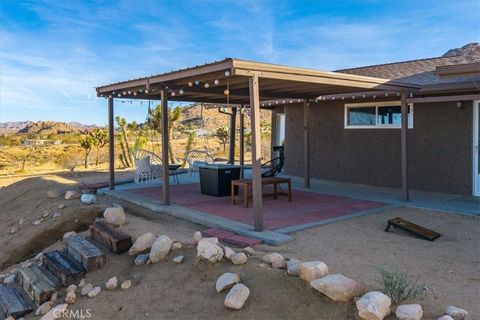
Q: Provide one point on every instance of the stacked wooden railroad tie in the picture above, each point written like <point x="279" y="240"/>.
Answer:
<point x="36" y="284"/>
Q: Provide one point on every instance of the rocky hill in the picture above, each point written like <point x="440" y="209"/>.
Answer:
<point x="468" y="49"/>
<point x="12" y="127"/>
<point x="43" y="127"/>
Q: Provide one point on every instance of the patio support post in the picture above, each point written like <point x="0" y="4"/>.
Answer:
<point x="404" y="139"/>
<point x="165" y="137"/>
<point x="111" y="145"/>
<point x="233" y="127"/>
<point x="256" y="152"/>
<point x="242" y="139"/>
<point x="306" y="143"/>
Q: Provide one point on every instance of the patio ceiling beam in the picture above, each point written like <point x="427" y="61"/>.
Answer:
<point x="165" y="138"/>
<point x="189" y="73"/>
<point x="320" y="80"/>
<point x="256" y="152"/>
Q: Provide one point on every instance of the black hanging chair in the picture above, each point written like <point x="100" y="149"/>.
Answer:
<point x="274" y="167"/>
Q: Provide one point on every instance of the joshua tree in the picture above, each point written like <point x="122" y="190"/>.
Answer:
<point x="154" y="121"/>
<point x="87" y="143"/>
<point x="100" y="139"/>
<point x="222" y="134"/>
<point x="125" y="146"/>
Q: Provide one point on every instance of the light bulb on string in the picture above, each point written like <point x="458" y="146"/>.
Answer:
<point x="226" y="92"/>
<point x="181" y="91"/>
<point x="173" y="93"/>
<point x="129" y="92"/>
<point x="216" y="82"/>
<point x="135" y="93"/>
<point x="197" y="82"/>
<point x="119" y="95"/>
<point x="146" y="90"/>
<point x="190" y="84"/>
<point x="207" y="85"/>
<point x="227" y="73"/>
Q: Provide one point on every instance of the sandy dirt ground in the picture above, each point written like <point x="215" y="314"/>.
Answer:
<point x="449" y="266"/>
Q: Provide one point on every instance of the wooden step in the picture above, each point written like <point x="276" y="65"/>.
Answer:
<point x="63" y="267"/>
<point x="13" y="302"/>
<point x="37" y="284"/>
<point x="108" y="236"/>
<point x="84" y="252"/>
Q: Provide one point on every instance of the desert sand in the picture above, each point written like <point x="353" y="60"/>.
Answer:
<point x="449" y="266"/>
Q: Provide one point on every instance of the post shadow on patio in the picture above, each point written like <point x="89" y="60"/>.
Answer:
<point x="235" y="83"/>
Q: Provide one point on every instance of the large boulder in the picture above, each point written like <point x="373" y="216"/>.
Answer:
<point x="373" y="305"/>
<point x="228" y="252"/>
<point x="44" y="308"/>
<point x="312" y="270"/>
<point x="208" y="249"/>
<point x="88" y="198"/>
<point x="55" y="313"/>
<point x="115" y="216"/>
<point x="275" y="259"/>
<point x="160" y="249"/>
<point x="143" y="243"/>
<point x="112" y="283"/>
<point x="456" y="312"/>
<point x="239" y="258"/>
<point x="70" y="297"/>
<point x="337" y="287"/>
<point x="226" y="281"/>
<point x="71" y="194"/>
<point x="237" y="296"/>
<point x="409" y="312"/>
<point x="197" y="236"/>
<point x="292" y="267"/>
<point x="141" y="259"/>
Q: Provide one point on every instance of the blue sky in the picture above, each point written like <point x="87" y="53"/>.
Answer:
<point x="53" y="53"/>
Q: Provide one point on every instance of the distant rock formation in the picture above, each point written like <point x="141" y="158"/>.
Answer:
<point x="468" y="49"/>
<point x="43" y="127"/>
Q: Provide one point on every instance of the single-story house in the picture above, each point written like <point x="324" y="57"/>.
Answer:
<point x="412" y="124"/>
<point x="355" y="137"/>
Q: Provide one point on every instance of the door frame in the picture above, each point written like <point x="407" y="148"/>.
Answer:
<point x="475" y="148"/>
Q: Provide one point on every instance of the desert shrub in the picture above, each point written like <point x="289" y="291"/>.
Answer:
<point x="69" y="160"/>
<point x="399" y="286"/>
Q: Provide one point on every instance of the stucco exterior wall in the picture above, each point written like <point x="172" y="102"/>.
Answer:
<point x="439" y="148"/>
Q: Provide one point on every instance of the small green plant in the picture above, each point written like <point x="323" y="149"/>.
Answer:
<point x="400" y="287"/>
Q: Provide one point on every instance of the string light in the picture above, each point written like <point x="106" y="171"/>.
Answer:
<point x="207" y="85"/>
<point x="119" y="95"/>
<point x="135" y="93"/>
<point x="197" y="82"/>
<point x="226" y="92"/>
<point x="146" y="90"/>
<point x="227" y="73"/>
<point x="129" y="92"/>
<point x="181" y="91"/>
<point x="173" y="93"/>
<point x="190" y="83"/>
<point x="216" y="82"/>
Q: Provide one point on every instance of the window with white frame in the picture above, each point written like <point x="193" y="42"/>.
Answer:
<point x="371" y="115"/>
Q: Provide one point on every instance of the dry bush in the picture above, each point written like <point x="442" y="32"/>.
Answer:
<point x="400" y="287"/>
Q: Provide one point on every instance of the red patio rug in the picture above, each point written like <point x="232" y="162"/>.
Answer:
<point x="306" y="207"/>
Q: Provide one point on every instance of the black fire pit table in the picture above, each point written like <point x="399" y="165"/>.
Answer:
<point x="216" y="179"/>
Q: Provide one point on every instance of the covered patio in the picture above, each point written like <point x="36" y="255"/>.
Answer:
<point x="239" y="84"/>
